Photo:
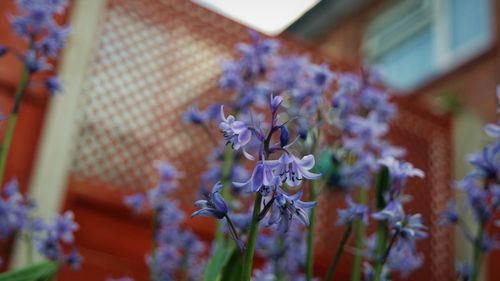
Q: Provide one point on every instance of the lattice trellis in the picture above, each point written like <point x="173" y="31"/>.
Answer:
<point x="155" y="58"/>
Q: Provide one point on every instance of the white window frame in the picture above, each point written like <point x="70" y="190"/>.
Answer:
<point x="445" y="59"/>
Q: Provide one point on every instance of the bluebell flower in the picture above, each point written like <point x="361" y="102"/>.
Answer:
<point x="293" y="170"/>
<point x="167" y="171"/>
<point x="236" y="133"/>
<point x="64" y="226"/>
<point x="493" y="130"/>
<point x="450" y="214"/>
<point x="14" y="210"/>
<point x="393" y="212"/>
<point x="53" y="85"/>
<point x="74" y="259"/>
<point x="410" y="228"/>
<point x="263" y="177"/>
<point x="194" y="116"/>
<point x="286" y="207"/>
<point x="353" y="212"/>
<point x="487" y="162"/>
<point x="135" y="201"/>
<point x="403" y="260"/>
<point x="3" y="50"/>
<point x="35" y="63"/>
<point x="213" y="205"/>
<point x="399" y="172"/>
<point x="54" y="41"/>
<point x="322" y="76"/>
<point x="49" y="246"/>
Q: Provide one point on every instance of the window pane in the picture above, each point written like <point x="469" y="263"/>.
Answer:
<point x="411" y="62"/>
<point x="469" y="22"/>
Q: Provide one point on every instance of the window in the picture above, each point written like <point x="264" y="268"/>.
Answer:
<point x="416" y="40"/>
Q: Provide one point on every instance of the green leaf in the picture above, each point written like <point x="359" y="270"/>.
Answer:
<point x="218" y="260"/>
<point x="43" y="271"/>
<point x="232" y="269"/>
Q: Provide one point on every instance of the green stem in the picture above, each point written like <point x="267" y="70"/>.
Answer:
<point x="310" y="235"/>
<point x="252" y="237"/>
<point x="476" y="270"/>
<point x="382" y="185"/>
<point x="338" y="254"/>
<point x="11" y="124"/>
<point x="359" y="235"/>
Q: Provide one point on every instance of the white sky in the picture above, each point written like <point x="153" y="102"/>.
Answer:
<point x="267" y="16"/>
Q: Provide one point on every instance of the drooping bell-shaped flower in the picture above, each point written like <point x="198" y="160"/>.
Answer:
<point x="293" y="170"/>
<point x="236" y="133"/>
<point x="213" y="205"/>
<point x="286" y="207"/>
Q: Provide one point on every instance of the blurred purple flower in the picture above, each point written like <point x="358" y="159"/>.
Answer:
<point x="353" y="212"/>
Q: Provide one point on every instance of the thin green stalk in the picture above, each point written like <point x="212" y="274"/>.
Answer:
<point x="338" y="254"/>
<point x="476" y="270"/>
<point x="11" y="123"/>
<point x="252" y="237"/>
<point x="359" y="234"/>
<point x="29" y="250"/>
<point x="382" y="185"/>
<point x="310" y="235"/>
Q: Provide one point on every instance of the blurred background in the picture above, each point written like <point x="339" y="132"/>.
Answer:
<point x="132" y="67"/>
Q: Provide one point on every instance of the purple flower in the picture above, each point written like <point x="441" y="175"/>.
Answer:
<point x="353" y="212"/>
<point x="399" y="172"/>
<point x="135" y="201"/>
<point x="167" y="171"/>
<point x="393" y="213"/>
<point x="64" y="226"/>
<point x="3" y="50"/>
<point x="487" y="162"/>
<point x="236" y="133"/>
<point x="293" y="170"/>
<point x="54" y="41"/>
<point x="411" y="228"/>
<point x="286" y="207"/>
<point x="53" y="85"/>
<point x="403" y="260"/>
<point x="213" y="205"/>
<point x="493" y="130"/>
<point x="14" y="210"/>
<point x="450" y="214"/>
<point x="194" y="116"/>
<point x="263" y="178"/>
<point x="74" y="259"/>
<point x="322" y="76"/>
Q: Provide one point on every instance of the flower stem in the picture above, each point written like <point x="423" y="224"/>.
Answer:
<point x="338" y="254"/>
<point x="359" y="239"/>
<point x="11" y="124"/>
<point x="310" y="235"/>
<point x="382" y="185"/>
<point x="477" y="253"/>
<point x="252" y="237"/>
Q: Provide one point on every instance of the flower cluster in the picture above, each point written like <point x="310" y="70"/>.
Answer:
<point x="36" y="24"/>
<point x="482" y="188"/>
<point x="178" y="250"/>
<point x="17" y="215"/>
<point x="269" y="175"/>
<point x="50" y="237"/>
<point x="14" y="210"/>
